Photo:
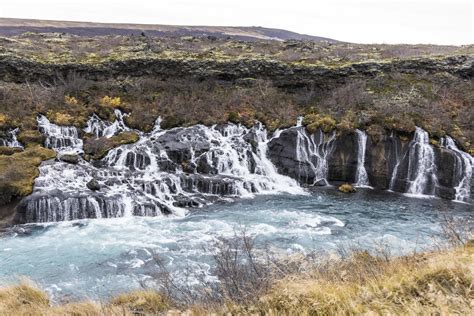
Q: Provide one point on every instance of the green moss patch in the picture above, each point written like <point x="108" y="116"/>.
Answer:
<point x="97" y="148"/>
<point x="19" y="170"/>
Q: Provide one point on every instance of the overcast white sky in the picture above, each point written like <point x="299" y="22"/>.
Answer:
<point x="381" y="21"/>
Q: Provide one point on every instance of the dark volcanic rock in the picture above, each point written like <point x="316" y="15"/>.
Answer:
<point x="343" y="159"/>
<point x="17" y="69"/>
<point x="93" y="185"/>
<point x="69" y="158"/>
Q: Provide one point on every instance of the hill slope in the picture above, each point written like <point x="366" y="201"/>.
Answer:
<point x="11" y="27"/>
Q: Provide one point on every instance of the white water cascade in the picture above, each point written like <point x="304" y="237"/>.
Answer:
<point x="11" y="140"/>
<point x="163" y="173"/>
<point x="362" y="179"/>
<point x="313" y="151"/>
<point x="63" y="139"/>
<point x="463" y="169"/>
<point x="421" y="165"/>
<point x="101" y="128"/>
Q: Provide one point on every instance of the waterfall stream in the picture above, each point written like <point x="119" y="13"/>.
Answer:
<point x="313" y="151"/>
<point x="100" y="128"/>
<point x="11" y="140"/>
<point x="421" y="165"/>
<point x="362" y="180"/>
<point x="63" y="139"/>
<point x="462" y="169"/>
<point x="162" y="173"/>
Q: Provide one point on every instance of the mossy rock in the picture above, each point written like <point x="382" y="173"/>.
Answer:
<point x="28" y="137"/>
<point x="97" y="148"/>
<point x="8" y="151"/>
<point x="347" y="188"/>
<point x="18" y="172"/>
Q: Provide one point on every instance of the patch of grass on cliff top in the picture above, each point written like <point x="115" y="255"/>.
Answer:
<point x="64" y="48"/>
<point x="18" y="171"/>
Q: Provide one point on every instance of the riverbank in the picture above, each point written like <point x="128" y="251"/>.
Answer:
<point x="434" y="282"/>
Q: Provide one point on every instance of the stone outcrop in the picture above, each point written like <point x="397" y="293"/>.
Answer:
<point x="17" y="69"/>
<point x="388" y="162"/>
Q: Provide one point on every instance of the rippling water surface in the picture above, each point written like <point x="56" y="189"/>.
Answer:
<point x="99" y="258"/>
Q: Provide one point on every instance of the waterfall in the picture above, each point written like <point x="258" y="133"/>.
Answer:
<point x="421" y="165"/>
<point x="11" y="140"/>
<point x="312" y="151"/>
<point x="164" y="172"/>
<point x="299" y="121"/>
<point x="398" y="159"/>
<point x="462" y="168"/>
<point x="362" y="179"/>
<point x="101" y="128"/>
<point x="63" y="139"/>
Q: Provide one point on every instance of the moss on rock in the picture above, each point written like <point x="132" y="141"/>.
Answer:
<point x="18" y="172"/>
<point x="28" y="137"/>
<point x="347" y="188"/>
<point x="97" y="148"/>
<point x="8" y="151"/>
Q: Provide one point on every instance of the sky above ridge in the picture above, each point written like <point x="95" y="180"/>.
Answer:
<point x="381" y="21"/>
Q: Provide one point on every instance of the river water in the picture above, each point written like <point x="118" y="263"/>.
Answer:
<point x="98" y="258"/>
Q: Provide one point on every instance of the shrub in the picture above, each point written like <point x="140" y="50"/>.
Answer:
<point x="110" y="101"/>
<point x="315" y="121"/>
<point x="61" y="118"/>
<point x="69" y="100"/>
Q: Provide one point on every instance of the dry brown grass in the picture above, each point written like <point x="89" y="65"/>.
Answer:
<point x="421" y="284"/>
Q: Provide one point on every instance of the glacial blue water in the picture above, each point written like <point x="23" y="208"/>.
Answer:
<point x="102" y="257"/>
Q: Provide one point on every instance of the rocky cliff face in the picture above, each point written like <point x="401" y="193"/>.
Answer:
<point x="13" y="68"/>
<point x="395" y="162"/>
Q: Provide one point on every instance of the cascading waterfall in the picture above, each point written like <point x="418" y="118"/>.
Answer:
<point x="463" y="169"/>
<point x="101" y="128"/>
<point x="11" y="140"/>
<point x="312" y="151"/>
<point x="165" y="171"/>
<point x="421" y="165"/>
<point x="362" y="180"/>
<point x="63" y="139"/>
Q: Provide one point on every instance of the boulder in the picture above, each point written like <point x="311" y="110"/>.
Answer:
<point x="93" y="185"/>
<point x="70" y="158"/>
<point x="347" y="188"/>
